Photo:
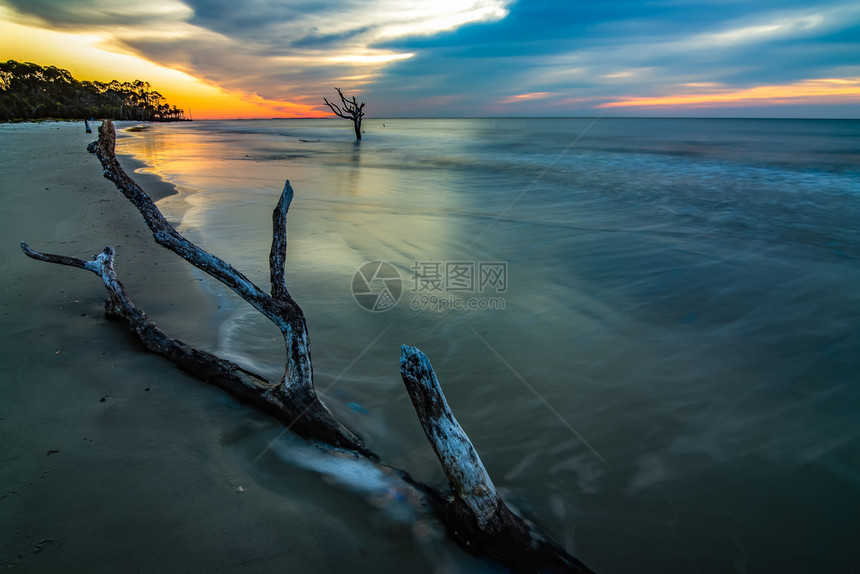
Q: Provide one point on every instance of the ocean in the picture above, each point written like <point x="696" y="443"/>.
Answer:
<point x="649" y="328"/>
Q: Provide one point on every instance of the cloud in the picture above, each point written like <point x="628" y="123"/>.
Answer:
<point x="836" y="89"/>
<point x="92" y="14"/>
<point x="462" y="57"/>
<point x="280" y="50"/>
<point x="642" y="55"/>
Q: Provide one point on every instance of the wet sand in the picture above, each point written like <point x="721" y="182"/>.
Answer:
<point x="112" y="459"/>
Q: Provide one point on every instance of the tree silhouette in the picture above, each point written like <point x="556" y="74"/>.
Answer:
<point x="348" y="110"/>
<point x="29" y="92"/>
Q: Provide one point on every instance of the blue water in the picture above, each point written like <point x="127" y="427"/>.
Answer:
<point x="673" y="382"/>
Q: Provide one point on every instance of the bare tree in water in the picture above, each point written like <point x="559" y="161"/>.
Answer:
<point x="348" y="110"/>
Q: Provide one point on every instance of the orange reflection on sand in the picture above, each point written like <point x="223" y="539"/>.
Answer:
<point x="807" y="91"/>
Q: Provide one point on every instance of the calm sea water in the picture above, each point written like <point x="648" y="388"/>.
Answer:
<point x="673" y="382"/>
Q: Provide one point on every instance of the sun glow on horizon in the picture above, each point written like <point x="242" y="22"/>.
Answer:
<point x="88" y="56"/>
<point x="825" y="90"/>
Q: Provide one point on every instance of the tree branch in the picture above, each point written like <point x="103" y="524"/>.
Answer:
<point x="278" y="253"/>
<point x="294" y="399"/>
<point x="482" y="521"/>
<point x="62" y="259"/>
<point x="222" y="373"/>
<point x="460" y="461"/>
<point x="336" y="109"/>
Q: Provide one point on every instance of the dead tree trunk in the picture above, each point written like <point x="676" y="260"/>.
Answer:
<point x="472" y="511"/>
<point x="348" y="110"/>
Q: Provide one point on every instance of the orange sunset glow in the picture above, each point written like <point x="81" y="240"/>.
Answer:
<point x="89" y="56"/>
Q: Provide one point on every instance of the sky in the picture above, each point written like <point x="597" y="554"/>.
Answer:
<point x="452" y="58"/>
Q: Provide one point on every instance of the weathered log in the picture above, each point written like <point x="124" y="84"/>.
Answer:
<point x="294" y="399"/>
<point x="308" y="419"/>
<point x="472" y="512"/>
<point x="206" y="366"/>
<point x="481" y="520"/>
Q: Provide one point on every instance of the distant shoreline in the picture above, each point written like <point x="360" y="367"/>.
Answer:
<point x="423" y="118"/>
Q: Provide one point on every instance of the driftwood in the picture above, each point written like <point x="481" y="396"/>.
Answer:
<point x="471" y="510"/>
<point x="348" y="110"/>
<point x="475" y="515"/>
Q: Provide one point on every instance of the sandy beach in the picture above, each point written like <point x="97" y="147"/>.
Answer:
<point x="112" y="459"/>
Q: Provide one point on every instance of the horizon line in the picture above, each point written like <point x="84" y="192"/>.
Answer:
<point x="602" y="117"/>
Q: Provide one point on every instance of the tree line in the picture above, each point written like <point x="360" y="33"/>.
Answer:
<point x="30" y="92"/>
